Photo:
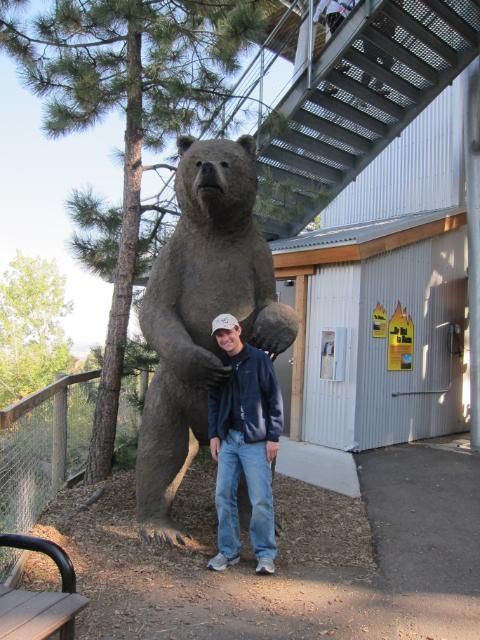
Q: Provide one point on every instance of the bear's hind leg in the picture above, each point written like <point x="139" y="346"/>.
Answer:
<point x="166" y="449"/>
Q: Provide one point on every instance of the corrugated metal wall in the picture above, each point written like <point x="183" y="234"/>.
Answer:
<point x="329" y="407"/>
<point x="420" y="171"/>
<point x="428" y="278"/>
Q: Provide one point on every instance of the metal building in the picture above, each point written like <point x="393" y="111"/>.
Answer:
<point x="422" y="170"/>
<point x="399" y="242"/>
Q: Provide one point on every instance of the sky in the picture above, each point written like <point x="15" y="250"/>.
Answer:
<point x="37" y="176"/>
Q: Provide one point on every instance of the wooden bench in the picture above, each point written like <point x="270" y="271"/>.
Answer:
<point x="35" y="615"/>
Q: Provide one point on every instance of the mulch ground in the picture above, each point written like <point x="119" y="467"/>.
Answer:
<point x="152" y="591"/>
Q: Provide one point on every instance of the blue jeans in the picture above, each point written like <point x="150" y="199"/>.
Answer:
<point x="236" y="455"/>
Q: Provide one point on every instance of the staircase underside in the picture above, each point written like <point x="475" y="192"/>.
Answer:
<point x="325" y="135"/>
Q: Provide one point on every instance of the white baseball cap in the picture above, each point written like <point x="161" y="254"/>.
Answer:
<point x="224" y="321"/>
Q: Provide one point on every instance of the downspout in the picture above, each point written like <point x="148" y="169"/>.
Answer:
<point x="472" y="174"/>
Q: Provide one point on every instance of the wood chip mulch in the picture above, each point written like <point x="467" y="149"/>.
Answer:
<point x="319" y="528"/>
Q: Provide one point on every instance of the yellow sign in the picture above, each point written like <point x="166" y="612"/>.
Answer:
<point x="400" y="341"/>
<point x="379" y="322"/>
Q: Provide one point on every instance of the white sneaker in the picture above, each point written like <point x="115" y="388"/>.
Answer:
<point x="265" y="566"/>
<point x="220" y="562"/>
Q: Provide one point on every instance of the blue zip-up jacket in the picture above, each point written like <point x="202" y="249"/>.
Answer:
<point x="260" y="397"/>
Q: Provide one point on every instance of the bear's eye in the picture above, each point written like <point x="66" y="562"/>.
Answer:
<point x="199" y="163"/>
<point x="224" y="164"/>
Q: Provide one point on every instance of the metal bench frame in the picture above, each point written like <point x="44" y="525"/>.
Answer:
<point x="61" y="559"/>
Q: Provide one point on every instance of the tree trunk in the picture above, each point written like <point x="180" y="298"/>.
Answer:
<point x="99" y="462"/>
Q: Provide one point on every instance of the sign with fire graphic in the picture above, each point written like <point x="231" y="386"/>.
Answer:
<point x="400" y="340"/>
<point x="379" y="322"/>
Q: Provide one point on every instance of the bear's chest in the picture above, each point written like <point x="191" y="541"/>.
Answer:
<point x="216" y="279"/>
<point x="221" y="277"/>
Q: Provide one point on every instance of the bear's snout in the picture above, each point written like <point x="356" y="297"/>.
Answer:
<point x="208" y="169"/>
<point x="208" y="177"/>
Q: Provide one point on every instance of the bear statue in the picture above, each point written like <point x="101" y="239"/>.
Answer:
<point x="214" y="262"/>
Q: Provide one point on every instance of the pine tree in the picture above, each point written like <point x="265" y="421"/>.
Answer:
<point x="163" y="64"/>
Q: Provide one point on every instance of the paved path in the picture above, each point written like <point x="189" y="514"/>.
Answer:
<point x="424" y="508"/>
<point x="321" y="466"/>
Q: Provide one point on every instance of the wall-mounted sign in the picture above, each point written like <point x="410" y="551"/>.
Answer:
<point x="332" y="353"/>
<point x="327" y="347"/>
<point x="379" y="322"/>
<point x="400" y="340"/>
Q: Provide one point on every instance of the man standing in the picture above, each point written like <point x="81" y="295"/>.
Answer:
<point x="245" y="420"/>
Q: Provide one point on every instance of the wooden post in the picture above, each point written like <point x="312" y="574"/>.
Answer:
<point x="296" y="412"/>
<point x="59" y="444"/>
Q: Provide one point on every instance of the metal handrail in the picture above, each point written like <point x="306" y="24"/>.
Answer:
<point x="49" y="548"/>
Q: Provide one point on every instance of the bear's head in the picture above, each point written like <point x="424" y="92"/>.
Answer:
<point x="216" y="180"/>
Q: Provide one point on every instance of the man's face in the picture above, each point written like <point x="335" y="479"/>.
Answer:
<point x="229" y="340"/>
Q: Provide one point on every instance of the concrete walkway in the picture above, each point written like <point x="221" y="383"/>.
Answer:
<point x="323" y="467"/>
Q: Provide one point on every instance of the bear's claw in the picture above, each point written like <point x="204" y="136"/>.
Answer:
<point x="162" y="535"/>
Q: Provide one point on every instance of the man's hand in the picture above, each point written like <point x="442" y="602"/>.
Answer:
<point x="272" y="449"/>
<point x="215" y="448"/>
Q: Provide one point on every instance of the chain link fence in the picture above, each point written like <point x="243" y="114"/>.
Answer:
<point x="44" y="440"/>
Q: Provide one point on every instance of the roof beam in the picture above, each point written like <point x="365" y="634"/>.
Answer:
<point x="356" y="252"/>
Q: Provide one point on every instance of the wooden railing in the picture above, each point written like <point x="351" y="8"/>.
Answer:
<point x="15" y="411"/>
<point x="59" y="391"/>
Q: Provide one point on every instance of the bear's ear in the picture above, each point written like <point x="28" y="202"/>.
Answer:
<point x="249" y="144"/>
<point x="184" y="143"/>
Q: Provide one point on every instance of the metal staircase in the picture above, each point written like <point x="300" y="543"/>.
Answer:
<point x="332" y="124"/>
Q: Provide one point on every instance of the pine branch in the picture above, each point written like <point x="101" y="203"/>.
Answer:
<point x="201" y="3"/>
<point x="154" y="167"/>
<point x="57" y="43"/>
<point x="155" y="228"/>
